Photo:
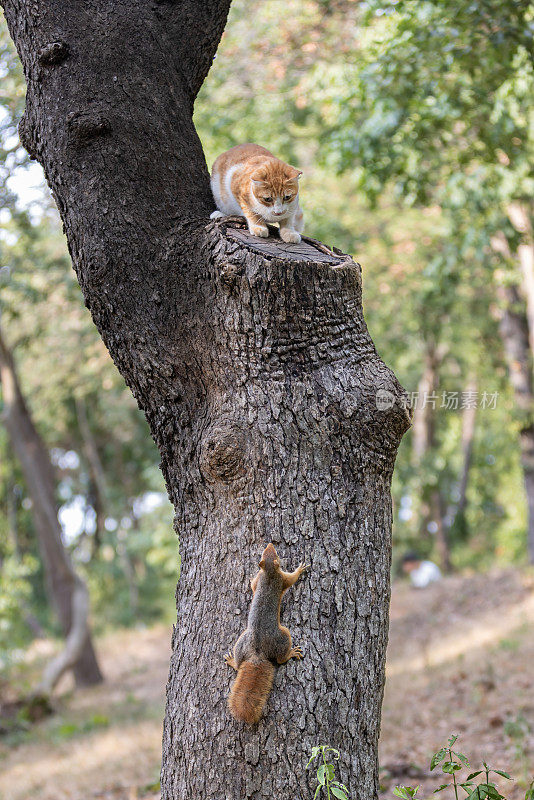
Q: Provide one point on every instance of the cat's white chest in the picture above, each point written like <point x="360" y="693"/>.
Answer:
<point x="222" y="192"/>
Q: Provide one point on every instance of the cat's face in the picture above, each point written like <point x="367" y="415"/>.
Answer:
<point x="275" y="189"/>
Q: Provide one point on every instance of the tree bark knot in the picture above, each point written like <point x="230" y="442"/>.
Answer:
<point x="230" y="272"/>
<point x="84" y="126"/>
<point x="53" y="53"/>
<point x="223" y="452"/>
<point x="27" y="138"/>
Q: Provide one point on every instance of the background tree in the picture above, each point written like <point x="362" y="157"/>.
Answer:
<point x="437" y="107"/>
<point x="67" y="590"/>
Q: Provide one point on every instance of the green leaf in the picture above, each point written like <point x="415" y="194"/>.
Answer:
<point x="450" y="767"/>
<point x="478" y="793"/>
<point x="321" y="774"/>
<point x="473" y="775"/>
<point x="330" y="772"/>
<point x="437" y="758"/>
<point x="406" y="792"/>
<point x="314" y="751"/>
<point x="440" y="788"/>
<point x="332" y="750"/>
<point x="493" y="792"/>
<point x="485" y="790"/>
<point x="452" y="740"/>
<point x="339" y="793"/>
<point x="504" y="774"/>
<point x="462" y="758"/>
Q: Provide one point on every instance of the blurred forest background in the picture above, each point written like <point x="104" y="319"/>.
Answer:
<point x="413" y="123"/>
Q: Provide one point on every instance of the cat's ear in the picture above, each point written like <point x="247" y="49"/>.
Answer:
<point x="257" y="177"/>
<point x="294" y="173"/>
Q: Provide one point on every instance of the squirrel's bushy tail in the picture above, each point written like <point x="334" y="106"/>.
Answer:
<point x="250" y="690"/>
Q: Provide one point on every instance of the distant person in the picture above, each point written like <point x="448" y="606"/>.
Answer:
<point x="421" y="572"/>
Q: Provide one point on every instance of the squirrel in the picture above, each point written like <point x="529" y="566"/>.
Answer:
<point x="264" y="641"/>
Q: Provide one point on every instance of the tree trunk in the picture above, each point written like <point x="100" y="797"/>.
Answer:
<point x="128" y="565"/>
<point x="257" y="376"/>
<point x="521" y="218"/>
<point x="66" y="590"/>
<point x="459" y="527"/>
<point x="424" y="440"/>
<point x="98" y="492"/>
<point x="13" y="538"/>
<point x="514" y="331"/>
<point x="11" y="513"/>
<point x="469" y="418"/>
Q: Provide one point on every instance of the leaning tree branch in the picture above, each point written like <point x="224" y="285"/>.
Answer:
<point x="75" y="642"/>
<point x="66" y="590"/>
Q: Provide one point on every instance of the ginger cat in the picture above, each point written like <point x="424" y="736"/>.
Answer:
<point x="249" y="181"/>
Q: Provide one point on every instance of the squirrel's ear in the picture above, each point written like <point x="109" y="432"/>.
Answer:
<point x="262" y="564"/>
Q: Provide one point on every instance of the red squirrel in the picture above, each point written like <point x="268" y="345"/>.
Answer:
<point x="264" y="642"/>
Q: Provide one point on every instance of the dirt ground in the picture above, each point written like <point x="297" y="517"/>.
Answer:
<point x="460" y="660"/>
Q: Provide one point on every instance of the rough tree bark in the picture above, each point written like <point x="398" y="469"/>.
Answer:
<point x="66" y="590"/>
<point x="258" y="378"/>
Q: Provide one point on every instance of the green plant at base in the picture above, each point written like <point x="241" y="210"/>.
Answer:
<point x="326" y="774"/>
<point x="452" y="762"/>
<point x="406" y="792"/>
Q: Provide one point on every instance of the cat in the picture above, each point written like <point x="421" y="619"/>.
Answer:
<point x="249" y="181"/>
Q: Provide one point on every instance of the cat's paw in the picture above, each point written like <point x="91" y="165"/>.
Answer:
<point x="216" y="215"/>
<point x="288" y="235"/>
<point x="259" y="230"/>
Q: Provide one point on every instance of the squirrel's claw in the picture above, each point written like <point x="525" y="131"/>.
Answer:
<point x="303" y="566"/>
